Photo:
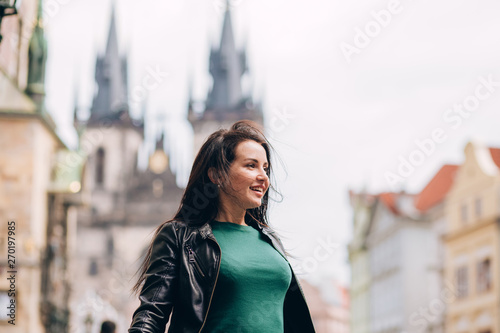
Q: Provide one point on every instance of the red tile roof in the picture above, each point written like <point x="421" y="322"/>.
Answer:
<point x="389" y="200"/>
<point x="495" y="155"/>
<point x="436" y="189"/>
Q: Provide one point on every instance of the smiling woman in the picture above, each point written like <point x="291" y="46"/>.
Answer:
<point x="248" y="182"/>
<point x="217" y="266"/>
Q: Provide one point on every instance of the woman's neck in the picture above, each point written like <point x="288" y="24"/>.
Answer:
<point x="234" y="217"/>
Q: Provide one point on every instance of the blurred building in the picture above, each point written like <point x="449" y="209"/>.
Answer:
<point x="37" y="182"/>
<point x="393" y="241"/>
<point x="396" y="259"/>
<point x="226" y="102"/>
<point x="472" y="243"/>
<point x="433" y="257"/>
<point x="430" y="203"/>
<point x="328" y="303"/>
<point x="124" y="203"/>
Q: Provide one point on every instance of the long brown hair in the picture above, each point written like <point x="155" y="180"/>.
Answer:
<point x="199" y="203"/>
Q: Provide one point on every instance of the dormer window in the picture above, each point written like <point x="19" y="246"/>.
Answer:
<point x="463" y="212"/>
<point x="99" y="172"/>
<point x="478" y="207"/>
<point x="461" y="280"/>
<point x="93" y="270"/>
<point x="483" y="275"/>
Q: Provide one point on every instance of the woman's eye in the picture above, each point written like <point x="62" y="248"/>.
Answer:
<point x="266" y="170"/>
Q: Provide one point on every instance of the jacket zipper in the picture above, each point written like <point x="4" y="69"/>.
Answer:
<point x="193" y="260"/>
<point x="213" y="289"/>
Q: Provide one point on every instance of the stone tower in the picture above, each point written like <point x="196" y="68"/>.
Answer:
<point x="124" y="203"/>
<point x="226" y="102"/>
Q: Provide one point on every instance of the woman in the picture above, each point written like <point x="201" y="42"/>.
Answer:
<point x="217" y="266"/>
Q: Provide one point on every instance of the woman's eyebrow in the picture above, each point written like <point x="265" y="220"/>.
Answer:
<point x="253" y="159"/>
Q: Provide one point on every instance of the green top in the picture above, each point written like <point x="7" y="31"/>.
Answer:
<point x="253" y="280"/>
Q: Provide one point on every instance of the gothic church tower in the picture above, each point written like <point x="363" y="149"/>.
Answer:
<point x="124" y="203"/>
<point x="110" y="137"/>
<point x="226" y="101"/>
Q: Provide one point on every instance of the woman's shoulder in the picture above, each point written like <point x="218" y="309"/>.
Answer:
<point x="178" y="227"/>
<point x="171" y="226"/>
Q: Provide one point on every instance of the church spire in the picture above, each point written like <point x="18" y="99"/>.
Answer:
<point x="227" y="65"/>
<point x="227" y="100"/>
<point x="111" y="100"/>
<point x="227" y="45"/>
<point x="112" y="43"/>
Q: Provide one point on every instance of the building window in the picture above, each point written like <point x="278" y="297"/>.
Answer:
<point x="110" y="246"/>
<point x="478" y="207"/>
<point x="99" y="172"/>
<point x="463" y="211"/>
<point x="461" y="281"/>
<point x="484" y="275"/>
<point x="110" y="249"/>
<point x="93" y="267"/>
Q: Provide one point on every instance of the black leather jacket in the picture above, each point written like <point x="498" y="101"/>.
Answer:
<point x="181" y="279"/>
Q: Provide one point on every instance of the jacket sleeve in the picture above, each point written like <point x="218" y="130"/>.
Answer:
<point x="158" y="292"/>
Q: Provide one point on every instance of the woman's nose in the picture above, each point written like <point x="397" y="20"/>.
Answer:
<point x="262" y="175"/>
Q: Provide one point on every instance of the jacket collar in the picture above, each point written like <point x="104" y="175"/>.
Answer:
<point x="206" y="230"/>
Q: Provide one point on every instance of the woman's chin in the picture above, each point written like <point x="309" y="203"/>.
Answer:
<point x="255" y="205"/>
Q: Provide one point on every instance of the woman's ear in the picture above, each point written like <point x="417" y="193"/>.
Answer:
<point x="212" y="175"/>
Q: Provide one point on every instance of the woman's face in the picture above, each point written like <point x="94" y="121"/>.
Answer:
<point x="248" y="180"/>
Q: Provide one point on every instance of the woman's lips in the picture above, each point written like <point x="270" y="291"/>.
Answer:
<point x="258" y="193"/>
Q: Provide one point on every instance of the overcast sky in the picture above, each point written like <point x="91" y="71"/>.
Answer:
<point x="347" y="88"/>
